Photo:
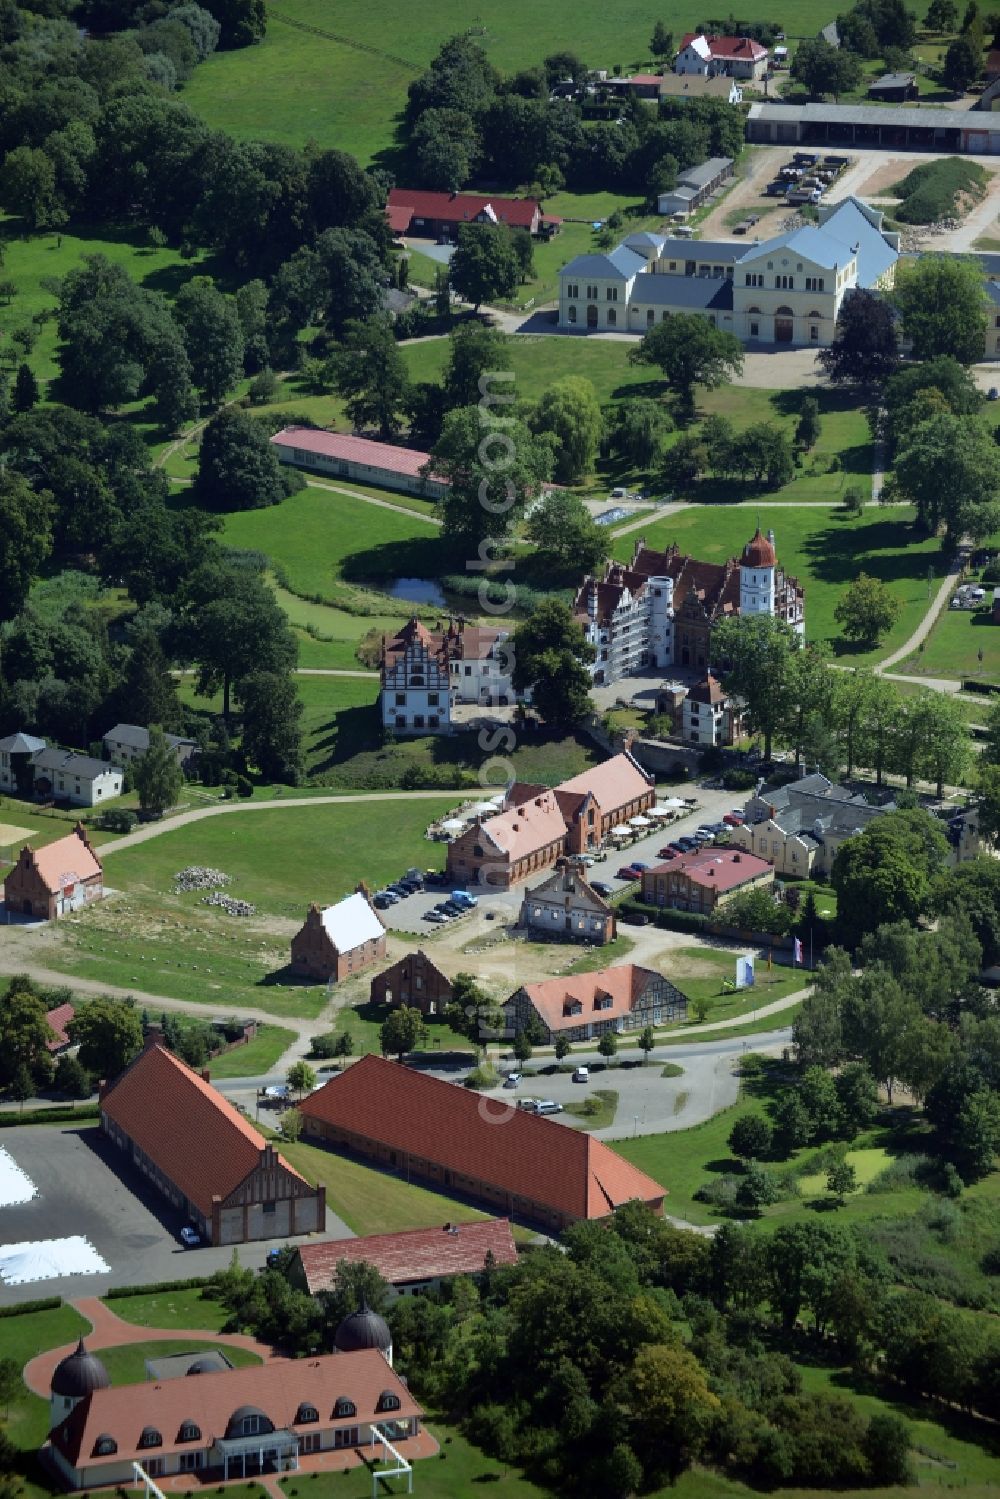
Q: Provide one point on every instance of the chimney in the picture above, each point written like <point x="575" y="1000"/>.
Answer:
<point x="737" y="858"/>
<point x="205" y="1075"/>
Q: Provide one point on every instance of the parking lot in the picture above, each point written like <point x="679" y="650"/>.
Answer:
<point x="86" y="1186"/>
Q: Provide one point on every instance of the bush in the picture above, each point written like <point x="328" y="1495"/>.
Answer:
<point x="244" y="786"/>
<point x="117" y="820"/>
<point x="60" y="1114"/>
<point x="484" y="1076"/>
<point x="43" y="1304"/>
<point x="156" y="1286"/>
<point x="736" y="779"/>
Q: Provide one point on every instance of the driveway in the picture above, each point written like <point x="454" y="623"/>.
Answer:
<point x="86" y="1186"/>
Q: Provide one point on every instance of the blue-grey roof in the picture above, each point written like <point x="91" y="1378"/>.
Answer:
<point x="619" y="264"/>
<point x="706" y="172"/>
<point x="813" y="244"/>
<point x="21" y="744"/>
<point x="720" y="251"/>
<point x="845" y="232"/>
<point x="689" y="293"/>
<point x="70" y="763"/>
<point x="990" y="263"/>
<point x="911" y="117"/>
<point x="893" y="80"/>
<point x="644" y="237"/>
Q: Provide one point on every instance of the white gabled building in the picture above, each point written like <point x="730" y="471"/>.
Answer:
<point x="424" y="673"/>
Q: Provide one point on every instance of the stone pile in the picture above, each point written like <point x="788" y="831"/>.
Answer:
<point x="200" y="877"/>
<point x="229" y="904"/>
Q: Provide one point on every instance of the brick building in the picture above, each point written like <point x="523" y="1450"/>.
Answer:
<point x="338" y="940"/>
<point x="566" y="906"/>
<point x="421" y="1127"/>
<point x="204" y="1156"/>
<point x="413" y="981"/>
<point x="418" y="1259"/>
<point x="705" y="880"/>
<point x="51" y="881"/>
<point x="583" y="1006"/>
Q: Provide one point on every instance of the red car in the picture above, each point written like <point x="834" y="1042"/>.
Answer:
<point x="667" y="853"/>
<point x="734" y="819"/>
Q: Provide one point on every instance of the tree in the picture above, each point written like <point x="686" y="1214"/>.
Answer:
<point x="962" y="64"/>
<point x="646" y="1043"/>
<point x="213" y="337"/>
<point x="290" y="1124"/>
<point x="841" y="1179"/>
<point x="472" y="1012"/>
<point x="825" y="69"/>
<point x="24" y="1030"/>
<point x="21" y="1086"/>
<point x="562" y="1048"/>
<point x="946" y="467"/>
<point x="26" y="527"/>
<point x="550" y="656"/>
<point x="226" y="603"/>
<point x="25" y="389"/>
<point x="865" y="349"/>
<point x="867" y="611"/>
<point x="942" y="16"/>
<point x="635" y="430"/>
<point x="492" y="471"/>
<point x="690" y="351"/>
<point x="569" y="411"/>
<point x="479" y="367"/>
<point x="484" y="266"/>
<point x="882" y="704"/>
<point x="238" y="468"/>
<point x="818" y="1093"/>
<point x="942" y="307"/>
<point x="608" y="1045"/>
<point x="807" y="429"/>
<point x="157" y="776"/>
<point x="370" y="376"/>
<point x="272" y="733"/>
<point x="72" y="1080"/>
<point x="566" y="533"/>
<point x="684" y="462"/>
<point x="669" y="1406"/>
<point x="857" y="1098"/>
<point x="28" y="188"/>
<point x="759" y="651"/>
<point x="750" y="1138"/>
<point x="401" y="1031"/>
<point x="108" y="1034"/>
<point x="757" y="1189"/>
<point x="792" y="1125"/>
<point x="521" y="1046"/>
<point x="943" y="751"/>
<point x="661" y="43"/>
<point x="883" y="874"/>
<point x="242" y="22"/>
<point x="988" y="801"/>
<point x="301" y="1078"/>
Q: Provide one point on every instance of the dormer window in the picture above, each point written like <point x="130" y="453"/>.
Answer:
<point x="306" y="1414"/>
<point x="150" y="1437"/>
<point x="105" y="1446"/>
<point x="388" y="1401"/>
<point x="189" y="1432"/>
<point x="344" y="1408"/>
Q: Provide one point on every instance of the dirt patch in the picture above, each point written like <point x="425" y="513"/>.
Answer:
<point x="881" y="182"/>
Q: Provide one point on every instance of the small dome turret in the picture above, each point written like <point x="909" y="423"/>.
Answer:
<point x="78" y="1374"/>
<point x="363" y="1329"/>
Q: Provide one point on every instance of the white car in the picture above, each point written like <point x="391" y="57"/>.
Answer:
<point x="512" y="1079"/>
<point x="582" y="1075"/>
<point x="190" y="1238"/>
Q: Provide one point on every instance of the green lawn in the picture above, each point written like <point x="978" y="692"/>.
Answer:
<point x="538" y="359"/>
<point x="184" y="1308"/>
<point x="127" y="1363"/>
<point x="363" y="1022"/>
<point x="731" y="1033"/>
<point x="328" y="637"/>
<point x="257" y="1056"/>
<point x="822" y="547"/>
<point x="953" y="646"/>
<point x="22" y="1339"/>
<point x="371" y="1201"/>
<point x="711" y="967"/>
<point x="460" y="1472"/>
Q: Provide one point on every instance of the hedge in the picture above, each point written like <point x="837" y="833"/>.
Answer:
<point x="665" y="916"/>
<point x="981" y="687"/>
<point x="56" y="1115"/>
<point x="43" y="1304"/>
<point x="155" y="1286"/>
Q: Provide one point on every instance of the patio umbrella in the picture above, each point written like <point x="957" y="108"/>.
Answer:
<point x="640" y="822"/>
<point x="674" y="801"/>
<point x="453" y="825"/>
<point x="484" y="807"/>
<point x="660" y="811"/>
<point x="621" y="832"/>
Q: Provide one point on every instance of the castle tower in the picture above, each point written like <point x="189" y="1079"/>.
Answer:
<point x="757" y="569"/>
<point x="73" y="1379"/>
<point x="660" y="599"/>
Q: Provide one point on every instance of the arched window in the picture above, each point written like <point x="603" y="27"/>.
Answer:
<point x="105" y="1446"/>
<point x="343" y="1407"/>
<point x="784" y="312"/>
<point x="571" y="314"/>
<point x="388" y="1401"/>
<point x="190" y="1432"/>
<point x="150" y="1437"/>
<point x="305" y="1414"/>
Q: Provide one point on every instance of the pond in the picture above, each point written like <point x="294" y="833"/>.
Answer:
<point x="419" y="591"/>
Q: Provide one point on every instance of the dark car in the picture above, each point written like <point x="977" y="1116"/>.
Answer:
<point x="638" y="864"/>
<point x="667" y="853"/>
<point x="627" y="872"/>
<point x="601" y="887"/>
<point x="687" y="844"/>
<point x="435" y="877"/>
<point x="634" y="918"/>
<point x="677" y="847"/>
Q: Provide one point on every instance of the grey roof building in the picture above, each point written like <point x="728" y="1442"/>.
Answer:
<point x="126" y="741"/>
<point x="800" y="827"/>
<point x="21" y="744"/>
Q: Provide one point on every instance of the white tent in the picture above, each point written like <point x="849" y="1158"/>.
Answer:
<point x="661" y="811"/>
<point x="453" y="825"/>
<point x="640" y="821"/>
<point x="483" y="809"/>
<point x="15" y="1185"/>
<point x="621" y="832"/>
<point x="675" y="802"/>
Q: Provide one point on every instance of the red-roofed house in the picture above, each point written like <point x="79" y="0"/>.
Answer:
<point x="704" y="880"/>
<point x="509" y="1160"/>
<point x="59" y="1020"/>
<point x="204" y="1156"/>
<point x="429" y="215"/>
<point x="418" y="1259"/>
<point x="379" y="463"/>
<point x="583" y="1006"/>
<point x="736" y="56"/>
<point x="709" y="715"/>
<point x="63" y="876"/>
<point x="232" y="1423"/>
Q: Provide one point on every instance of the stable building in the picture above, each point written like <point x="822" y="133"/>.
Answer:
<point x="203" y="1156"/>
<point x="439" y="216"/>
<point x="413" y="981"/>
<point x="566" y="908"/>
<point x="859" y="127"/>
<point x="696" y="185"/>
<point x="337" y="941"/>
<point x="447" y="1136"/>
<point x="49" y="882"/>
<point x="381" y="464"/>
<point x="584" y="1006"/>
<point x="418" y="1259"/>
<point x="213" y="1426"/>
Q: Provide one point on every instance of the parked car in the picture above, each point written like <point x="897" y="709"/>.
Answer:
<point x="382" y="903"/>
<point x="586" y="860"/>
<point x="993" y="394"/>
<point x="464" y="898"/>
<point x="388" y="895"/>
<point x="512" y="1079"/>
<point x="435" y="877"/>
<point x="634" y="918"/>
<point x="436" y="916"/>
<point x="529" y="1105"/>
<point x="600" y="887"/>
<point x="581" y="1075"/>
<point x="687" y="844"/>
<point x="638" y="864"/>
<point x="667" y="853"/>
<point x="626" y="872"/>
<point x="548" y="1106"/>
<point x="190" y="1237"/>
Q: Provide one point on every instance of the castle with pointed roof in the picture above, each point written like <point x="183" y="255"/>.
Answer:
<point x="659" y="610"/>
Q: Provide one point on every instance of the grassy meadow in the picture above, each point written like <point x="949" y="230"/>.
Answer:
<point x="953" y="646"/>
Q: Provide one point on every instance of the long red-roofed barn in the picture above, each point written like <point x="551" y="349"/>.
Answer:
<point x="433" y="215"/>
<point x="359" y="458"/>
<point x="204" y="1156"/>
<point x="503" y="1157"/>
<point x="50" y="881"/>
<point x="418" y="1259"/>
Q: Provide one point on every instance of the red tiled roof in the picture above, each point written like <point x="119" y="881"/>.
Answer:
<point x="59" y="1019"/>
<point x="484" y="1140"/>
<point x="187" y="1129"/>
<point x="460" y="208"/>
<point x="716" y="868"/>
<point x="523" y="828"/>
<point x="405" y="461"/>
<point x="277" y="1389"/>
<point x="644" y="78"/>
<point x="709" y="691"/>
<point x="555" y="999"/>
<point x="415" y="1254"/>
<point x="759" y="551"/>
<point x="612" y="784"/>
<point x="69" y="856"/>
<point x="730" y="47"/>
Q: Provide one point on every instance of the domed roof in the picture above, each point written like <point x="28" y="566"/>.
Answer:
<point x="203" y="1366"/>
<point x="79" y="1373"/>
<point x="759" y="552"/>
<point x="363" y="1329"/>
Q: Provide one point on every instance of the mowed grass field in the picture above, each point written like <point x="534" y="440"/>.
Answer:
<point x="297" y="85"/>
<point x="953" y="646"/>
<point x="824" y="548"/>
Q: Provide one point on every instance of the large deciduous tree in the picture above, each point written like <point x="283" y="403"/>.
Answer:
<point x="484" y="266"/>
<point x="867" y="610"/>
<point x="25" y="539"/>
<point x="550" y="657"/>
<point x="108" y="1033"/>
<point x="370" y="376"/>
<point x="566" y="533"/>
<point x="231" y="626"/>
<point x="213" y="337"/>
<point x="942" y="306"/>
<point x="238" y="468"/>
<point x="947" y="467"/>
<point x="865" y="349"/>
<point x="569" y="411"/>
<point x="272" y="733"/>
<point x="884" y="874"/>
<point x="493" y="469"/>
<point x="825" y="69"/>
<point x="758" y="651"/>
<point x="690" y="351"/>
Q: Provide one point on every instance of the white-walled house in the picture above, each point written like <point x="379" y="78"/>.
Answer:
<point x="361" y="459"/>
<point x="734" y="56"/>
<point x="80" y="780"/>
<point x="709" y="715"/>
<point x="425" y="672"/>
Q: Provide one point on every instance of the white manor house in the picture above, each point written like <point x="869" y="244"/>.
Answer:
<point x="785" y="290"/>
